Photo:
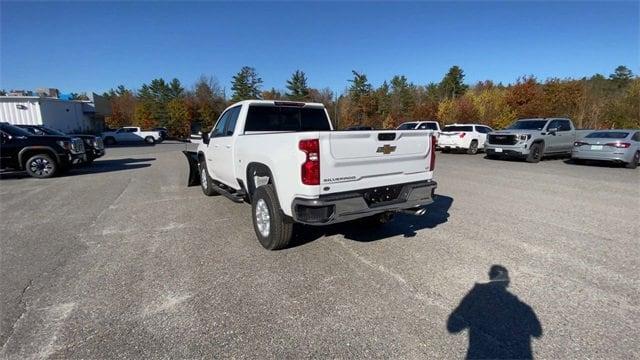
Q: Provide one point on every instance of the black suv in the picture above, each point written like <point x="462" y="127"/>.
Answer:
<point x="40" y="156"/>
<point x="93" y="144"/>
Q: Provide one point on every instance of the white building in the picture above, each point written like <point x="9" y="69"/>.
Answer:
<point x="70" y="116"/>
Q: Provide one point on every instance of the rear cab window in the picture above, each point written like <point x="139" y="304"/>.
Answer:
<point x="458" y="128"/>
<point x="267" y="117"/>
<point x="407" y="126"/>
<point x="428" y="126"/>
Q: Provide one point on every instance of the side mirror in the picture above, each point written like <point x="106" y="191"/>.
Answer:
<point x="552" y="131"/>
<point x="205" y="138"/>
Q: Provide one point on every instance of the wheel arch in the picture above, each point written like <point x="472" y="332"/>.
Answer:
<point x="258" y="169"/>
<point x="29" y="151"/>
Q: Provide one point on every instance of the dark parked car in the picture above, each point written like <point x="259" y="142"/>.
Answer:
<point x="93" y="144"/>
<point x="40" y="156"/>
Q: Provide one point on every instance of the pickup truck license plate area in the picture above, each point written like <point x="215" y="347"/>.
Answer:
<point x="382" y="195"/>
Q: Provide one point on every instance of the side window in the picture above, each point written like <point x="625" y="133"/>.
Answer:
<point x="231" y="121"/>
<point x="564" y="125"/>
<point x="121" y="131"/>
<point x="554" y="124"/>
<point x="422" y="126"/>
<point x="131" y="130"/>
<point x="636" y="136"/>
<point x="487" y="129"/>
<point x="218" y="130"/>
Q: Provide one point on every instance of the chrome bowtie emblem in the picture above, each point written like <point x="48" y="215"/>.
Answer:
<point x="387" y="149"/>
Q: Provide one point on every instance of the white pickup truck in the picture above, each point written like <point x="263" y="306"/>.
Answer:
<point x="286" y="160"/>
<point x="131" y="134"/>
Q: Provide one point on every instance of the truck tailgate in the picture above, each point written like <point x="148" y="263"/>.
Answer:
<point x="352" y="160"/>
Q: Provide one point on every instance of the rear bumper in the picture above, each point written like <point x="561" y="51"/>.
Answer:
<point x="340" y="207"/>
<point x="622" y="156"/>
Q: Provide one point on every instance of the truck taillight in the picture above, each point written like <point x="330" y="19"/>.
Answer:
<point x="462" y="135"/>
<point x="310" y="170"/>
<point x="432" y="160"/>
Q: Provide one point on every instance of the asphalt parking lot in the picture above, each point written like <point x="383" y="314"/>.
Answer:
<point x="123" y="260"/>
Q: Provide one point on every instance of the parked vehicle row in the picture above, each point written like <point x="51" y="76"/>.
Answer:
<point x="94" y="147"/>
<point x="533" y="139"/>
<point x="44" y="154"/>
<point x="311" y="174"/>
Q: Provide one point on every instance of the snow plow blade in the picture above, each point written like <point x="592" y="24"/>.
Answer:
<point x="192" y="157"/>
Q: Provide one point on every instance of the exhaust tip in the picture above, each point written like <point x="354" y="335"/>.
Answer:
<point x="415" y="211"/>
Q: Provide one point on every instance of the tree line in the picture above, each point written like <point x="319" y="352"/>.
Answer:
<point x="592" y="102"/>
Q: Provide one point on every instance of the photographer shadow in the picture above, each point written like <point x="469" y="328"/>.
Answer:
<point x="500" y="325"/>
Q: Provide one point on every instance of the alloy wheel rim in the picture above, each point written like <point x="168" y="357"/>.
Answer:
<point x="41" y="166"/>
<point x="263" y="219"/>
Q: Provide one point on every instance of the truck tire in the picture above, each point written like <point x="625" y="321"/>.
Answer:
<point x="473" y="147"/>
<point x="634" y="162"/>
<point x="206" y="183"/>
<point x="41" y="166"/>
<point x="535" y="153"/>
<point x="272" y="229"/>
<point x="150" y="140"/>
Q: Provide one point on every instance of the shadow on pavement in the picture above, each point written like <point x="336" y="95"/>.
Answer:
<point x="98" y="166"/>
<point x="361" y="230"/>
<point x="102" y="166"/>
<point x="595" y="163"/>
<point x="500" y="325"/>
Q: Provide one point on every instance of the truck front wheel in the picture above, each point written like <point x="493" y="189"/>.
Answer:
<point x="41" y="166"/>
<point x="535" y="153"/>
<point x="272" y="229"/>
<point x="206" y="183"/>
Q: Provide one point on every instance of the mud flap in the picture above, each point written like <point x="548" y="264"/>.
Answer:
<point x="194" y="172"/>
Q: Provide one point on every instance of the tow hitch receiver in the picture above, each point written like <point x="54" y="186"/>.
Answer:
<point x="194" y="173"/>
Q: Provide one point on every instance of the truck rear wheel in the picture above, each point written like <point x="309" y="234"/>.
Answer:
<point x="150" y="140"/>
<point x="473" y="147"/>
<point x="535" y="153"/>
<point x="41" y="166"/>
<point x="272" y="229"/>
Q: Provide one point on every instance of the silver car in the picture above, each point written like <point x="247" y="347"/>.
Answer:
<point x="620" y="146"/>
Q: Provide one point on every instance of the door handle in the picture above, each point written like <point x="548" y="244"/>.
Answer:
<point x="228" y="146"/>
<point x="216" y="146"/>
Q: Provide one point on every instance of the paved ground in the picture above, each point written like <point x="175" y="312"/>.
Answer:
<point x="123" y="260"/>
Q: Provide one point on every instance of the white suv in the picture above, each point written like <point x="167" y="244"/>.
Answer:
<point x="468" y="137"/>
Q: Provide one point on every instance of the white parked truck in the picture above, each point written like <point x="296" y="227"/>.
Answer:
<point x="288" y="162"/>
<point x="131" y="134"/>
